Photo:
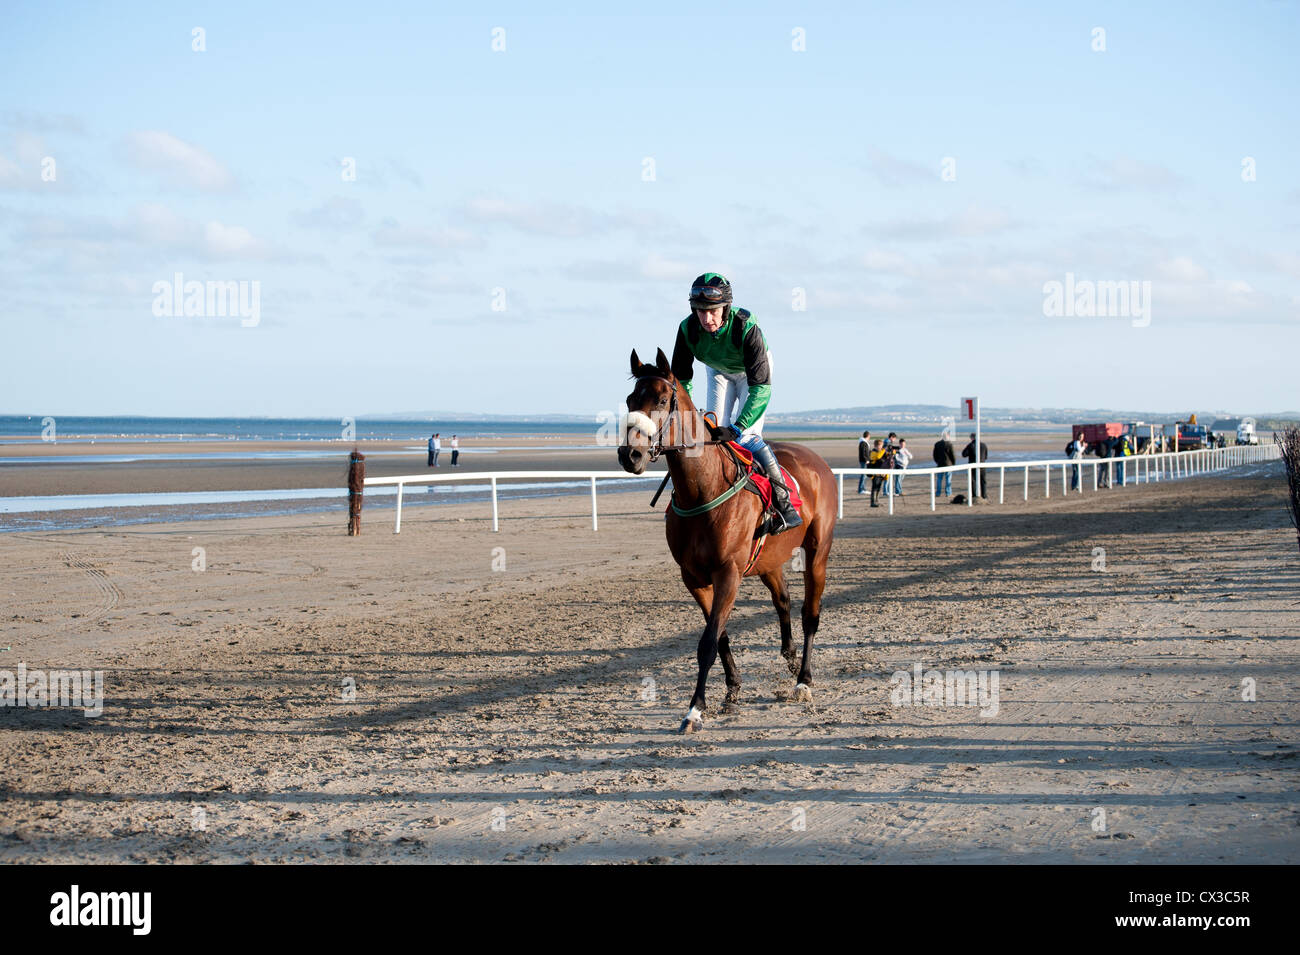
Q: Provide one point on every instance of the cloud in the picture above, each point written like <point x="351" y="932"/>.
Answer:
<point x="893" y="171"/>
<point x="335" y="213"/>
<point x="970" y="222"/>
<point x="1181" y="269"/>
<point x="1125" y="172"/>
<point x="553" y="219"/>
<point x="24" y="170"/>
<point x="392" y="234"/>
<point x="177" y="161"/>
<point x="573" y="221"/>
<point x="43" y="122"/>
<point x="151" y="225"/>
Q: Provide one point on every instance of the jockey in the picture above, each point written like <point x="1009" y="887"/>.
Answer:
<point x="729" y="341"/>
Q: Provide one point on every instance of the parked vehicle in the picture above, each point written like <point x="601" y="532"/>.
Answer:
<point x="1246" y="432"/>
<point x="1187" y="435"/>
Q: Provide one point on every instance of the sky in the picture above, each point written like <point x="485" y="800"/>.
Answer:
<point x="890" y="188"/>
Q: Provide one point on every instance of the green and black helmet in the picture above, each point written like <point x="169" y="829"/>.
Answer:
<point x="710" y="290"/>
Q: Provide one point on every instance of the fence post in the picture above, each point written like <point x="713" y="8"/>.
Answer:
<point x="494" y="504"/>
<point x="1026" y="482"/>
<point x="397" y="528"/>
<point x="841" y="514"/>
<point x="932" y="477"/>
<point x="1002" y="484"/>
<point x="593" y="502"/>
<point x="1047" y="480"/>
<point x="970" y="483"/>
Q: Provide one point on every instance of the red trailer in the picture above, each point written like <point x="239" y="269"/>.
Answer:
<point x="1094" y="434"/>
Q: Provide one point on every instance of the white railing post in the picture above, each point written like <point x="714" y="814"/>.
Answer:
<point x="494" y="504"/>
<point x="970" y="483"/>
<point x="397" y="528"/>
<point x="593" y="502"/>
<point x="889" y="491"/>
<point x="1002" y="483"/>
<point x="841" y="514"/>
<point x="933" y="476"/>
<point x="1026" y="482"/>
<point x="1047" y="480"/>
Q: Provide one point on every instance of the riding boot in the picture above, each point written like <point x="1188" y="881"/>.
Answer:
<point x="786" y="516"/>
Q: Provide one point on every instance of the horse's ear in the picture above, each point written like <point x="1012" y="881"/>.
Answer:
<point x="636" y="363"/>
<point x="662" y="363"/>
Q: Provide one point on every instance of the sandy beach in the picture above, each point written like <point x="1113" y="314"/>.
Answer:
<point x="528" y="712"/>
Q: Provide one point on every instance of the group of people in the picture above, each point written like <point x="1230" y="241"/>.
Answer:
<point x="891" y="453"/>
<point x="1120" y="447"/>
<point x="435" y="448"/>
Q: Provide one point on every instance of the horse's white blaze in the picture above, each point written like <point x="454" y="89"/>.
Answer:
<point x="642" y="423"/>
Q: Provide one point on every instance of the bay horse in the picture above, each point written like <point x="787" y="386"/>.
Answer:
<point x="714" y="539"/>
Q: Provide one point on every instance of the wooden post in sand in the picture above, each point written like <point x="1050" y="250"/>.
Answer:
<point x="356" y="483"/>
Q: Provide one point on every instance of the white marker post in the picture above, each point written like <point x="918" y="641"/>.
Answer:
<point x="970" y="410"/>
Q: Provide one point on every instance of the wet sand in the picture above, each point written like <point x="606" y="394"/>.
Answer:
<point x="61" y="474"/>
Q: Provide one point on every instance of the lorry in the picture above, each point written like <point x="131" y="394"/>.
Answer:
<point x="1187" y="435"/>
<point x="1246" y="432"/>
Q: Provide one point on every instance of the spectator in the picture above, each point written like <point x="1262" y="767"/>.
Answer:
<point x="944" y="456"/>
<point x="892" y="443"/>
<point x="968" y="453"/>
<point x="1075" y="451"/>
<point x="455" y="451"/>
<point x="1123" y="451"/>
<point x="1103" y="450"/>
<point x="864" y="452"/>
<point x="437" y="446"/>
<point x="876" y="460"/>
<point x="431" y="458"/>
<point x="902" y="458"/>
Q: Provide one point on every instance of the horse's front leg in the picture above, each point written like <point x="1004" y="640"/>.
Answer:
<point x="726" y="583"/>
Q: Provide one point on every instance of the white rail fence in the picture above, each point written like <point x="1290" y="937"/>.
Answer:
<point x="1140" y="468"/>
<point x="1132" y="469"/>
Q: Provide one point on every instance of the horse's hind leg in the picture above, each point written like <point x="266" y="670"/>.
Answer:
<point x="814" y="582"/>
<point x="775" y="581"/>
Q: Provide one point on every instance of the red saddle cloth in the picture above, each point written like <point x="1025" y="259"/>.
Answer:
<point x="764" y="485"/>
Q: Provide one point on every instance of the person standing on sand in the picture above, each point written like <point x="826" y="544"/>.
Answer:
<point x="968" y="453"/>
<point x="455" y="450"/>
<point x="1074" y="450"/>
<point x="437" y="446"/>
<point x="432" y="459"/>
<point x="944" y="456"/>
<point x="874" y="460"/>
<point x="864" y="452"/>
<point x="902" y="458"/>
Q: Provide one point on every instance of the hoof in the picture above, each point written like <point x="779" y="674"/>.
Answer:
<point x="802" y="693"/>
<point x="693" y="722"/>
<point x="792" y="663"/>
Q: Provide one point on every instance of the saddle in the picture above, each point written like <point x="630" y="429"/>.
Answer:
<point x="759" y="485"/>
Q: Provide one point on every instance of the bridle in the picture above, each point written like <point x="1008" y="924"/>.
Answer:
<point x="658" y="448"/>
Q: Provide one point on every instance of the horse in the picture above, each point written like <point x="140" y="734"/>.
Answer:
<point x="711" y="525"/>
